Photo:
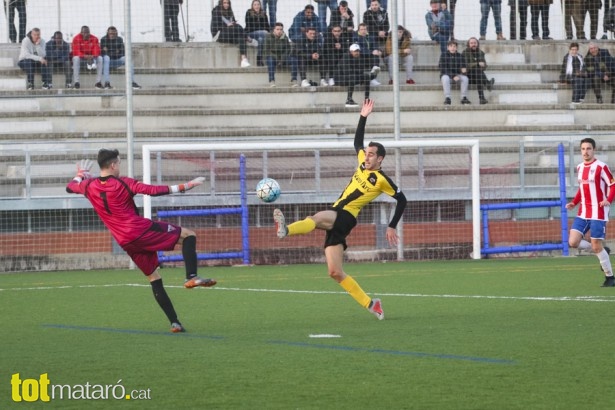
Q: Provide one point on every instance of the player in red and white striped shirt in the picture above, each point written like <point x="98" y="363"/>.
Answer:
<point x="595" y="194"/>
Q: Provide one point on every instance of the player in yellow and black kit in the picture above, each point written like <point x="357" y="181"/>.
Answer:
<point x="366" y="184"/>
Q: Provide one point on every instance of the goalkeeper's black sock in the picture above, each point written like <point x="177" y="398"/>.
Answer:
<point x="189" y="253"/>
<point x="163" y="300"/>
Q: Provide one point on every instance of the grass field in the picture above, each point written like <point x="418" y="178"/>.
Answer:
<point x="490" y="334"/>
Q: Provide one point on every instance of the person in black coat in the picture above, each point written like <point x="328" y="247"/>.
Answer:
<point x="225" y="29"/>
<point x="353" y="70"/>
<point x="600" y="70"/>
<point x="453" y="69"/>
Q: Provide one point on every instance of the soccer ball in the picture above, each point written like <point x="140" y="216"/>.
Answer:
<point x="268" y="190"/>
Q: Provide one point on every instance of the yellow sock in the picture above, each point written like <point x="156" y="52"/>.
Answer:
<point x="351" y="286"/>
<point x="302" y="227"/>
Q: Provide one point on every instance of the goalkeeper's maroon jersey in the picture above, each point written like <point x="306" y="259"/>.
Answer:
<point x="112" y="200"/>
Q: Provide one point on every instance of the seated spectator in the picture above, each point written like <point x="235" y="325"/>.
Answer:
<point x="302" y="21"/>
<point x="225" y="29"/>
<point x="600" y="70"/>
<point x="277" y="51"/>
<point x="308" y="52"/>
<point x="405" y="55"/>
<point x="86" y="50"/>
<point x="171" y="24"/>
<point x="334" y="48"/>
<point x="369" y="50"/>
<point x="573" y="72"/>
<point x="354" y="70"/>
<point x="112" y="48"/>
<point x="343" y="17"/>
<point x="257" y="27"/>
<point x="377" y="21"/>
<point x="322" y="12"/>
<point x="32" y="59"/>
<point x="475" y="64"/>
<point x="438" y="24"/>
<point x="58" y="56"/>
<point x="453" y="68"/>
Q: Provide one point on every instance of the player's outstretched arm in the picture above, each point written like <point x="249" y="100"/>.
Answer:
<point x="83" y="170"/>
<point x="187" y="186"/>
<point x="359" y="135"/>
<point x="366" y="109"/>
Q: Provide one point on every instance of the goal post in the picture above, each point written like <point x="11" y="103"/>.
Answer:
<point x="312" y="174"/>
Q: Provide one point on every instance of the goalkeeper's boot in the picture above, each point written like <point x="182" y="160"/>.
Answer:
<point x="280" y="223"/>
<point x="609" y="282"/>
<point x="608" y="250"/>
<point x="198" y="281"/>
<point x="177" y="328"/>
<point x="375" y="306"/>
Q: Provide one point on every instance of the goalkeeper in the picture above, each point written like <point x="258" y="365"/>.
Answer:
<point x="112" y="199"/>
<point x="366" y="184"/>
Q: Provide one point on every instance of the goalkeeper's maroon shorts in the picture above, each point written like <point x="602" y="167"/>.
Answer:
<point x="161" y="236"/>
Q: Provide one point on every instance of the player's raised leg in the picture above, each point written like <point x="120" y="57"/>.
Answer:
<point x="188" y="240"/>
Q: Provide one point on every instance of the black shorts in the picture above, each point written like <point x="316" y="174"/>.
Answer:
<point x="344" y="222"/>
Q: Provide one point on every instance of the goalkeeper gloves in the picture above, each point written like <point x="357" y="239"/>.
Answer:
<point x="83" y="170"/>
<point x="187" y="186"/>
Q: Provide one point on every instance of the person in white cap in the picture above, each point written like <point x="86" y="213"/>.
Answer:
<point x="354" y="69"/>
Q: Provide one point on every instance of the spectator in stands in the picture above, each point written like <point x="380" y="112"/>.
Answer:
<point x="609" y="22"/>
<point x="32" y="59"/>
<point x="303" y="20"/>
<point x="368" y="48"/>
<point x="257" y="27"/>
<point x="574" y="10"/>
<point x="111" y="196"/>
<point x="476" y="65"/>
<point x="353" y="70"/>
<point x="405" y="53"/>
<point x="333" y="50"/>
<point x="453" y="68"/>
<point x="449" y="5"/>
<point x="58" y="56"/>
<point x="322" y="11"/>
<point x="540" y="8"/>
<point x="171" y="24"/>
<point x="496" y="8"/>
<point x="225" y="29"/>
<point x="377" y="21"/>
<point x="86" y="50"/>
<point x="523" y="5"/>
<point x="573" y="72"/>
<point x="277" y="51"/>
<point x="600" y="70"/>
<point x="18" y="6"/>
<point x="112" y="48"/>
<point x="309" y="52"/>
<point x="343" y="17"/>
<point x="438" y="24"/>
<point x="592" y="7"/>
<point x="270" y="7"/>
<point x="383" y="4"/>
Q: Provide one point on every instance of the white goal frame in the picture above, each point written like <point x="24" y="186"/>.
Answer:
<point x="148" y="149"/>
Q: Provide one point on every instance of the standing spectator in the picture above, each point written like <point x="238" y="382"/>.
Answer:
<point x="438" y="24"/>
<point x="302" y="21"/>
<point x="171" y="25"/>
<point x="86" y="50"/>
<point x="369" y="50"/>
<point x="309" y="52"/>
<point x="257" y="27"/>
<point x="353" y="70"/>
<point x="449" y="5"/>
<point x="225" y="29"/>
<point x="271" y="7"/>
<point x="18" y="6"/>
<point x="476" y="65"/>
<point x="113" y="52"/>
<point x="377" y="21"/>
<point x="343" y="17"/>
<point x="453" y="68"/>
<point x="58" y="56"/>
<point x="32" y="59"/>
<point x="405" y="53"/>
<point x="592" y="7"/>
<point x="383" y="4"/>
<point x="574" y="10"/>
<point x="599" y="67"/>
<point x="523" y="5"/>
<point x="496" y="8"/>
<point x="322" y="11"/>
<point x="573" y="72"/>
<point x="540" y="8"/>
<point x="595" y="194"/>
<point x="277" y="50"/>
<point x="333" y="50"/>
<point x="609" y="22"/>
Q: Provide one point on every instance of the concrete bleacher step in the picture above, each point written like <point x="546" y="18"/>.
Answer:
<point x="540" y="118"/>
<point x="6" y="62"/>
<point x="18" y="127"/>
<point x="525" y="97"/>
<point x="12" y="84"/>
<point x="41" y="170"/>
<point x="30" y="104"/>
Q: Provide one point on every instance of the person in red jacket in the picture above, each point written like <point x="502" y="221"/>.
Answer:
<point x="86" y="50"/>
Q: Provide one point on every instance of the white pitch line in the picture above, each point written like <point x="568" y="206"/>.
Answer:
<point x="603" y="298"/>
